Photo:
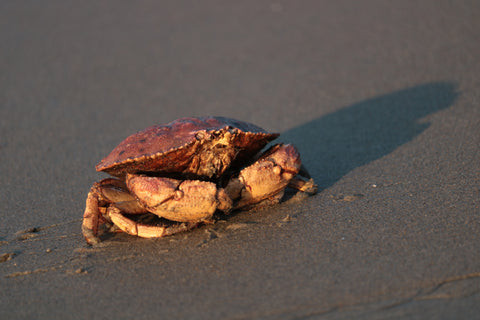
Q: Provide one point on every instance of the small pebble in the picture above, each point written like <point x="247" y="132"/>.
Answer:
<point x="80" y="270"/>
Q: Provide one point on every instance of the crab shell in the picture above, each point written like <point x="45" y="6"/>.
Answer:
<point x="192" y="147"/>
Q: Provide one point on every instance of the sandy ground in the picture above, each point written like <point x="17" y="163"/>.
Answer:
<point x="381" y="97"/>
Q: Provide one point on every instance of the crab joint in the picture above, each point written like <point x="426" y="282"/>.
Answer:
<point x="178" y="195"/>
<point x="277" y="170"/>
<point x="224" y="201"/>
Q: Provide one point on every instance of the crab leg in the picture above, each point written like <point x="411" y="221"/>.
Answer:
<point x="305" y="186"/>
<point x="102" y="195"/>
<point x="91" y="217"/>
<point x="165" y="228"/>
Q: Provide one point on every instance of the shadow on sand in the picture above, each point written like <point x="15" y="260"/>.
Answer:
<point x="335" y="144"/>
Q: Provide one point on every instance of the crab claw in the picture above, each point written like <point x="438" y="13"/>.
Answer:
<point x="176" y="200"/>
<point x="266" y="179"/>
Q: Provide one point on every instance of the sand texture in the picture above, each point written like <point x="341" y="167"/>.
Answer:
<point x="382" y="98"/>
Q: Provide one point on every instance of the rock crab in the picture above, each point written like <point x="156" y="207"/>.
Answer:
<point x="170" y="178"/>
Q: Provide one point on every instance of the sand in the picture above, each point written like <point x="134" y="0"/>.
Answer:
<point x="382" y="100"/>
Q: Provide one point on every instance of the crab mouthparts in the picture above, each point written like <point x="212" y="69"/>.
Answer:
<point x="212" y="160"/>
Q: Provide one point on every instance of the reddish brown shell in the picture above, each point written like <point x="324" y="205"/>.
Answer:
<point x="204" y="146"/>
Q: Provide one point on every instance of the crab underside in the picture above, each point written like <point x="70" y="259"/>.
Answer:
<point x="153" y="204"/>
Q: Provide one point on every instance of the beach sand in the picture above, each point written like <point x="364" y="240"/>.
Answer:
<point x="381" y="98"/>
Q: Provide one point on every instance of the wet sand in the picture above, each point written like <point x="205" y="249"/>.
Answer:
<point x="381" y="99"/>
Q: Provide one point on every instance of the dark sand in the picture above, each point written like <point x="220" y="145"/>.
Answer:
<point x="381" y="97"/>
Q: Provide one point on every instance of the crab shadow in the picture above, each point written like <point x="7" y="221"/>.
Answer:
<point x="335" y="144"/>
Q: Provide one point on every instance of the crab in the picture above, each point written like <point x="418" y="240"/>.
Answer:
<point x="171" y="178"/>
